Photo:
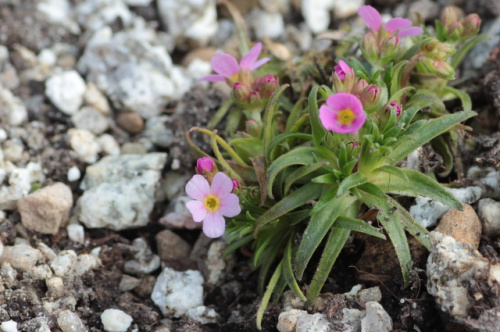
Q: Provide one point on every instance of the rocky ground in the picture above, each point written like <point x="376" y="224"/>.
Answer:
<point x="95" y="100"/>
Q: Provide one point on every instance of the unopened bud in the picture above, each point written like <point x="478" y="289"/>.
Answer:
<point x="389" y="49"/>
<point x="241" y="92"/>
<point x="445" y="50"/>
<point x="205" y="164"/>
<point x="369" y="47"/>
<point x="358" y="88"/>
<point x="236" y="184"/>
<point x="255" y="97"/>
<point x="394" y="106"/>
<point x="343" y="77"/>
<point x="430" y="47"/>
<point x="266" y="85"/>
<point x="472" y="25"/>
<point x="455" y="31"/>
<point x="252" y="128"/>
<point x="450" y="14"/>
<point x="443" y="70"/>
<point x="342" y="70"/>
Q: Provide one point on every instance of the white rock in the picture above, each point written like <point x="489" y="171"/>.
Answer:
<point x="344" y="9"/>
<point x="488" y="178"/>
<point x="451" y="267"/>
<point x="21" y="257"/>
<point x="376" y="319"/>
<point x="69" y="321"/>
<point x="267" y="24"/>
<point x="203" y="315"/>
<point x="85" y="263"/>
<point x="427" y="211"/>
<point x="95" y="14"/>
<point x="292" y="301"/>
<point x="489" y="214"/>
<point x="8" y="73"/>
<point x="66" y="91"/>
<point x="13" y="110"/>
<point x="74" y="174"/>
<point x="13" y="150"/>
<point x="64" y="264"/>
<point x="19" y="186"/>
<point x="108" y="184"/>
<point x="55" y="287"/>
<point x="9" y="326"/>
<point x="76" y="233"/>
<point x="137" y="2"/>
<point x="313" y="323"/>
<point x="40" y="272"/>
<point x="176" y="292"/>
<point x="90" y="119"/>
<point x="287" y="320"/>
<point x="96" y="99"/>
<point x="46" y="251"/>
<point x="8" y="274"/>
<point x="59" y="12"/>
<point x="217" y="264"/>
<point x="144" y="261"/>
<point x="85" y="145"/>
<point x="47" y="57"/>
<point x="115" y="320"/>
<point x="3" y="135"/>
<point x="195" y="20"/>
<point x="109" y="145"/>
<point x="317" y="14"/>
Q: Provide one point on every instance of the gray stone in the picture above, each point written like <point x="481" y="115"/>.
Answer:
<point x="489" y="214"/>
<point x="66" y="91"/>
<point x="176" y="292"/>
<point x="144" y="261"/>
<point x="376" y="319"/>
<point x="13" y="110"/>
<point x="120" y="191"/>
<point x="171" y="245"/>
<point x="90" y="119"/>
<point x="450" y="267"/>
<point x="370" y="294"/>
<point x="85" y="145"/>
<point x="203" y="315"/>
<point x="8" y="74"/>
<point x="64" y="264"/>
<point x="20" y="257"/>
<point x="95" y="14"/>
<point x="46" y="209"/>
<point x="313" y="323"/>
<point x="287" y="320"/>
<point x="127" y="283"/>
<point x="216" y="264"/>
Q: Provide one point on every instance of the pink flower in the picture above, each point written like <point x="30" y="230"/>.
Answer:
<point x="227" y="67"/>
<point x="401" y="27"/>
<point x="342" y="70"/>
<point x="343" y="113"/>
<point x="205" y="163"/>
<point x="211" y="203"/>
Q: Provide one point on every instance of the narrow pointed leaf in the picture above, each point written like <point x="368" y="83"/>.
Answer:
<point x="351" y="181"/>
<point x="288" y="272"/>
<point x="267" y="295"/>
<point x="465" y="48"/>
<point x="301" y="172"/>
<point x="269" y="116"/>
<point x="392" y="170"/>
<point x="358" y="225"/>
<point x="318" y="131"/>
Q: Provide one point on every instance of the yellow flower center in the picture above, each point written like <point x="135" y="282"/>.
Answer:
<point x="346" y="116"/>
<point x="212" y="203"/>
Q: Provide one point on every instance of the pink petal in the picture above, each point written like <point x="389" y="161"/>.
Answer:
<point x="222" y="185"/>
<point x="249" y="59"/>
<point x="224" y="64"/>
<point x="340" y="101"/>
<point x="345" y="67"/>
<point x="197" y="209"/>
<point x="259" y="63"/>
<point x="410" y="32"/>
<point x="327" y="117"/>
<point x="198" y="187"/>
<point x="214" y="225"/>
<point x="212" y="78"/>
<point x="371" y="16"/>
<point x="230" y="206"/>
<point x="397" y="23"/>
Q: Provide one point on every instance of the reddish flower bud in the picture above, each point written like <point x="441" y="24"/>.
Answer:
<point x="450" y="14"/>
<point x="236" y="184"/>
<point x="266" y="85"/>
<point x="369" y="47"/>
<point x="443" y="70"/>
<point x="359" y="87"/>
<point x="255" y="97"/>
<point x="388" y="49"/>
<point x="472" y="24"/>
<point x="455" y="31"/>
<point x="395" y="106"/>
<point x="241" y="92"/>
<point x="204" y="164"/>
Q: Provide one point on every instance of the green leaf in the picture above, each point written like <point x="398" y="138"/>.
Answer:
<point x="462" y="95"/>
<point x="358" y="225"/>
<point x="393" y="170"/>
<point x="295" y="114"/>
<point x="301" y="172"/>
<point x="318" y="131"/>
<point x="282" y="137"/>
<point x="297" y="156"/>
<point x="440" y="146"/>
<point x="288" y="271"/>
<point x="221" y="112"/>
<point x="465" y="48"/>
<point x="407" y="144"/>
<point x="267" y="295"/>
<point x="417" y="184"/>
<point x="247" y="147"/>
<point x="294" y="200"/>
<point x="325" y="178"/>
<point x="235" y="245"/>
<point x="336" y="241"/>
<point x="374" y="198"/>
<point x="329" y="192"/>
<point x="351" y="181"/>
<point x="317" y="228"/>
<point x="269" y="115"/>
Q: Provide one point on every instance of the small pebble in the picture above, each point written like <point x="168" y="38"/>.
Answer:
<point x="69" y="321"/>
<point x="489" y="213"/>
<point x="463" y="226"/>
<point x="55" y="287"/>
<point x="130" y="122"/>
<point x="115" y="320"/>
<point x="9" y="326"/>
<point x="74" y="174"/>
<point x="76" y="233"/>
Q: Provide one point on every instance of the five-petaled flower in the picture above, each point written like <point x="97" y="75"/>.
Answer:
<point x="227" y="67"/>
<point x="212" y="202"/>
<point x="343" y="113"/>
<point x="400" y="27"/>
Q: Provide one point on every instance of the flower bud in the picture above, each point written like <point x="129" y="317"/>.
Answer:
<point x="204" y="164"/>
<point x="266" y="85"/>
<point x="255" y="97"/>
<point x="343" y="77"/>
<point x="455" y="31"/>
<point x="241" y="92"/>
<point x="369" y="47"/>
<point x="472" y="24"/>
<point x="393" y="106"/>
<point x="236" y="184"/>
<point x="430" y="48"/>
<point x="389" y="49"/>
<point x="370" y="98"/>
<point x="358" y="88"/>
<point x="443" y="70"/>
<point x="450" y="14"/>
<point x="252" y="128"/>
